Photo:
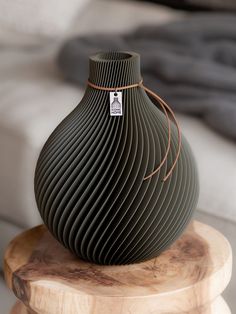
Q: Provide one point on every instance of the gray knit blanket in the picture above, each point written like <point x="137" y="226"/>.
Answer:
<point x="191" y="63"/>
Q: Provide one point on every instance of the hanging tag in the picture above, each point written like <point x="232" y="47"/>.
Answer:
<point x="116" y="104"/>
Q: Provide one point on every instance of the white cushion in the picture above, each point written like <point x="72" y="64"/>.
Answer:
<point x="33" y="102"/>
<point x="57" y="19"/>
<point x="216" y="159"/>
<point x="39" y="17"/>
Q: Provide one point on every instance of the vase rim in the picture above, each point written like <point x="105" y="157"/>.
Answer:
<point x="114" y="56"/>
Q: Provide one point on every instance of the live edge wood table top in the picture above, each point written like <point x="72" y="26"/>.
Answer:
<point x="187" y="278"/>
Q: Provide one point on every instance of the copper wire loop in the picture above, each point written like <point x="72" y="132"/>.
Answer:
<point x="165" y="108"/>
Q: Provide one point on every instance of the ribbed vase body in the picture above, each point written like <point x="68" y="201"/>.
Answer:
<point x="89" y="180"/>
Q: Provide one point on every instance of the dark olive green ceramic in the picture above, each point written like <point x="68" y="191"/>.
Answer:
<point x="89" y="183"/>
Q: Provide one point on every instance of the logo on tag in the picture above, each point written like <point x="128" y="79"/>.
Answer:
<point x="116" y="104"/>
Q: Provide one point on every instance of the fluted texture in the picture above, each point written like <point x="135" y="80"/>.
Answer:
<point x="89" y="183"/>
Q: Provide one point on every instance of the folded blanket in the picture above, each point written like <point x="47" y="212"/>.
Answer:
<point x="191" y="63"/>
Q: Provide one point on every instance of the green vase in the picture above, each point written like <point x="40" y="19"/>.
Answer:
<point x="89" y="180"/>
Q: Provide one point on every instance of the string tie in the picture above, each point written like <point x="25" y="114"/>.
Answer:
<point x="166" y="109"/>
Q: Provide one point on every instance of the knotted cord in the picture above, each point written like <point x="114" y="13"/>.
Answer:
<point x="165" y="108"/>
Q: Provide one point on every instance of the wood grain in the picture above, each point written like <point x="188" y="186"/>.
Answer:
<point x="218" y="306"/>
<point x="47" y="278"/>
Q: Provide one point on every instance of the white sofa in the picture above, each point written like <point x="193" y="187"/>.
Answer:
<point x="34" y="98"/>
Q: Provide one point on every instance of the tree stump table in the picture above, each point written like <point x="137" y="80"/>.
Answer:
<point x="187" y="278"/>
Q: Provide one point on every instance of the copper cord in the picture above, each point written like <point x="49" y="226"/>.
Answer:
<point x="164" y="107"/>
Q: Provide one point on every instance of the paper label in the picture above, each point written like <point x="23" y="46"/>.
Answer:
<point x="116" y="104"/>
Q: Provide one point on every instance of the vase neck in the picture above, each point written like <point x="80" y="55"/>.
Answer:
<point x="113" y="69"/>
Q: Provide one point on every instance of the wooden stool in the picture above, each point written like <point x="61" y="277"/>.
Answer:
<point x="187" y="278"/>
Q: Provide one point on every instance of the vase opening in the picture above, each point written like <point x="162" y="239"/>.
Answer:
<point x="114" y="56"/>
